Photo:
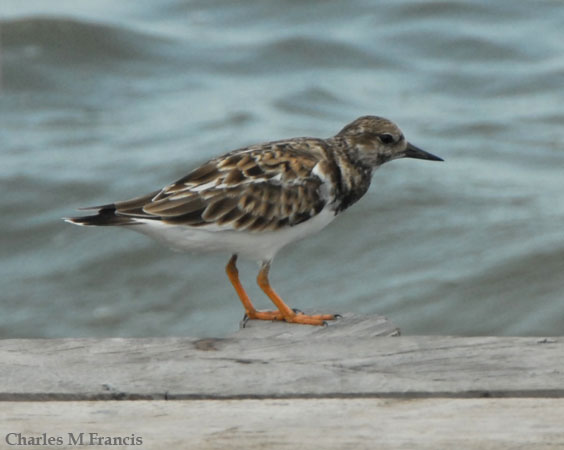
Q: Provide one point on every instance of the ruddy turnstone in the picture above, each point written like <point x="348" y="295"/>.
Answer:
<point x="255" y="200"/>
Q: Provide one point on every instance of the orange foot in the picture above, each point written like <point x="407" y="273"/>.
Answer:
<point x="317" y="319"/>
<point x="293" y="317"/>
<point x="263" y="315"/>
<point x="284" y="311"/>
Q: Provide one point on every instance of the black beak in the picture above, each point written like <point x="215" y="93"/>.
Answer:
<point x="414" y="152"/>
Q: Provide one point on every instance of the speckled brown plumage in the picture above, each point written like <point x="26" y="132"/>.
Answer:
<point x="268" y="186"/>
<point x="255" y="200"/>
<point x="255" y="189"/>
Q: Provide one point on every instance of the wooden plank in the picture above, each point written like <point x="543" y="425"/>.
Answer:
<point x="532" y="424"/>
<point x="285" y="361"/>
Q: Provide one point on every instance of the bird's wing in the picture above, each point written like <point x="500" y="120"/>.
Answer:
<point x="256" y="189"/>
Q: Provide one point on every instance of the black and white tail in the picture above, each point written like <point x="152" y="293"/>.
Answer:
<point x="105" y="216"/>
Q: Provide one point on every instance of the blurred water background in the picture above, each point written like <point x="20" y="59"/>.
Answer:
<point x="103" y="100"/>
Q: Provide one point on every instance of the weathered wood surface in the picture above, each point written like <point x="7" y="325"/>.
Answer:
<point x="281" y="386"/>
<point x="428" y="424"/>
<point x="277" y="360"/>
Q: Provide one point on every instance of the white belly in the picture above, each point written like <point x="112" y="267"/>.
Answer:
<point x="260" y="246"/>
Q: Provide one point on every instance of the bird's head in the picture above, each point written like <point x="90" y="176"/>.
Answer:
<point x="375" y="140"/>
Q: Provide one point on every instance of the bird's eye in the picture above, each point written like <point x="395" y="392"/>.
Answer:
<point x="386" y="138"/>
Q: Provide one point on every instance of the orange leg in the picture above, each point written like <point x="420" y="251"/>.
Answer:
<point x="287" y="313"/>
<point x="250" y="310"/>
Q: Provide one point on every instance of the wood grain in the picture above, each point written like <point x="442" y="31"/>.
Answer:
<point x="301" y="423"/>
<point x="278" y="360"/>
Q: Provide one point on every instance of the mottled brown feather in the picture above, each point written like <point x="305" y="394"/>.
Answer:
<point x="258" y="188"/>
<point x="171" y="208"/>
<point x="272" y="185"/>
<point x="134" y="207"/>
<point x="234" y="176"/>
<point x="219" y="208"/>
<point x="201" y="175"/>
<point x="231" y="216"/>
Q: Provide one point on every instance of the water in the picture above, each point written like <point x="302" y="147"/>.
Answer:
<point x="104" y="100"/>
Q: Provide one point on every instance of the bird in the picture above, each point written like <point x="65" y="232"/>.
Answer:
<point x="253" y="201"/>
